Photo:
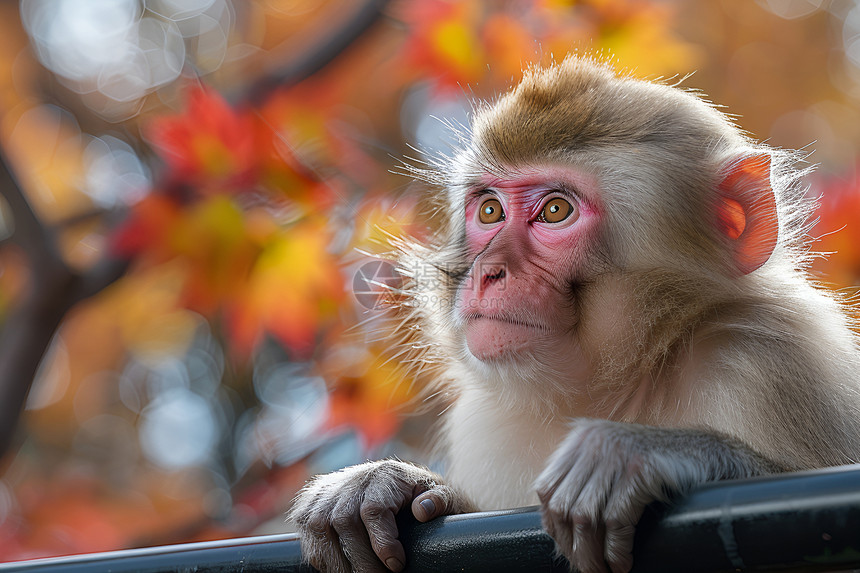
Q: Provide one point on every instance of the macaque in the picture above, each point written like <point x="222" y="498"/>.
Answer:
<point x="618" y="299"/>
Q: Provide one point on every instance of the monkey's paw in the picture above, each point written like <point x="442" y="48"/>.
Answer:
<point x="346" y="521"/>
<point x="597" y="484"/>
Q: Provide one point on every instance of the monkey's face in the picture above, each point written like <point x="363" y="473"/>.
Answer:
<point x="528" y="235"/>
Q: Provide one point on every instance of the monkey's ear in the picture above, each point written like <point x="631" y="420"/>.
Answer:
<point x="746" y="211"/>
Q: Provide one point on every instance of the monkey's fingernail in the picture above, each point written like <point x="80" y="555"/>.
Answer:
<point x="428" y="506"/>
<point x="394" y="564"/>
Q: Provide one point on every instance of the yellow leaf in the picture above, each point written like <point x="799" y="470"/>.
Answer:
<point x="149" y="314"/>
<point x="293" y="284"/>
<point x="455" y="42"/>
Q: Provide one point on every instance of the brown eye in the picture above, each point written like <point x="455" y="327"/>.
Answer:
<point x="491" y="212"/>
<point x="556" y="210"/>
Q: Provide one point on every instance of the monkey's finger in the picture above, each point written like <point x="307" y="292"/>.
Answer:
<point x="321" y="546"/>
<point x="587" y="516"/>
<point x="354" y="538"/>
<point x="587" y="548"/>
<point x="618" y="550"/>
<point x="557" y="509"/>
<point x="624" y="508"/>
<point x="356" y="547"/>
<point x="436" y="501"/>
<point x="560" y="529"/>
<point x="561" y="483"/>
<point x="619" y="546"/>
<point x="559" y="467"/>
<point x="382" y="531"/>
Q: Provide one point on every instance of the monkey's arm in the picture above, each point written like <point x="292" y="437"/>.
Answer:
<point x="597" y="483"/>
<point x="346" y="519"/>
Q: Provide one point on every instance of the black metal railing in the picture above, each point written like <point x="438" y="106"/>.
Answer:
<point x="807" y="521"/>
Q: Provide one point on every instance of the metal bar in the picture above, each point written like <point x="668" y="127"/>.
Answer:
<point x="249" y="555"/>
<point x="807" y="521"/>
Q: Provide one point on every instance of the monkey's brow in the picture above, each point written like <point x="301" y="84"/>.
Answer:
<point x="479" y="191"/>
<point x="563" y="188"/>
<point x="566" y="188"/>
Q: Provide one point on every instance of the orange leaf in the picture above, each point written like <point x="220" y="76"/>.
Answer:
<point x="510" y="44"/>
<point x="209" y="141"/>
<point x="837" y="233"/>
<point x="294" y="288"/>
<point x="445" y="41"/>
<point x="371" y="397"/>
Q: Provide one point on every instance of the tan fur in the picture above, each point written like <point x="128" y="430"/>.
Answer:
<point x="678" y="341"/>
<point x="639" y="348"/>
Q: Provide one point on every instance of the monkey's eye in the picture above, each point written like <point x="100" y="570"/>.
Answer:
<point x="491" y="212"/>
<point x="555" y="211"/>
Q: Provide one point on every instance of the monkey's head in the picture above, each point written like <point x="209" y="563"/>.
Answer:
<point x="588" y="209"/>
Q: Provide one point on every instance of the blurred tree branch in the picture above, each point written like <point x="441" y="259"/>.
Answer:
<point x="54" y="287"/>
<point x="318" y="56"/>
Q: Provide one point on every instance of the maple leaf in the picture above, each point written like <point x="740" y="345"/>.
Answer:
<point x="210" y="145"/>
<point x="370" y="392"/>
<point x="381" y="221"/>
<point x="837" y="236"/>
<point x="642" y="37"/>
<point x="445" y="41"/>
<point x="147" y="228"/>
<point x="216" y="248"/>
<point x="510" y="44"/>
<point x="294" y="289"/>
<point x="301" y="117"/>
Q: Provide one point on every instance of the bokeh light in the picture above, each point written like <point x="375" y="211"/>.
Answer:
<point x="178" y="429"/>
<point x="115" y="52"/>
<point x="115" y="174"/>
<point x="226" y="351"/>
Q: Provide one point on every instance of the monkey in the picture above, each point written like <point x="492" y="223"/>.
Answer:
<point x="619" y="299"/>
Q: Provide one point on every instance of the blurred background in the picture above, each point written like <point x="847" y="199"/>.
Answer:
<point x="192" y="192"/>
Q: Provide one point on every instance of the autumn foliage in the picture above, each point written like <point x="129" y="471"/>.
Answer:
<point x="228" y="173"/>
<point x="244" y="245"/>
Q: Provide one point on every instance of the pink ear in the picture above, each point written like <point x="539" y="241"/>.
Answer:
<point x="746" y="213"/>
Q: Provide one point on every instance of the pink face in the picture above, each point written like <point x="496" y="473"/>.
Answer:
<point x="528" y="236"/>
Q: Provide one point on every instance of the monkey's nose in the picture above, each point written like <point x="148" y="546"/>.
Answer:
<point x="492" y="275"/>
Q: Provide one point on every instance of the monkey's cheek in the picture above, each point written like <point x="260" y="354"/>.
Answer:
<point x="489" y="339"/>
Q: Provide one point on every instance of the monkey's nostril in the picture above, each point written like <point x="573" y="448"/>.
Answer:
<point x="491" y="277"/>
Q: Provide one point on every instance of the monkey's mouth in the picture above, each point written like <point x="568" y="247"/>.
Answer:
<point x="501" y="336"/>
<point x="505" y="319"/>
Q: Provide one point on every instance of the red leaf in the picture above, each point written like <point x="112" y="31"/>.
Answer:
<point x="209" y="142"/>
<point x="147" y="227"/>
